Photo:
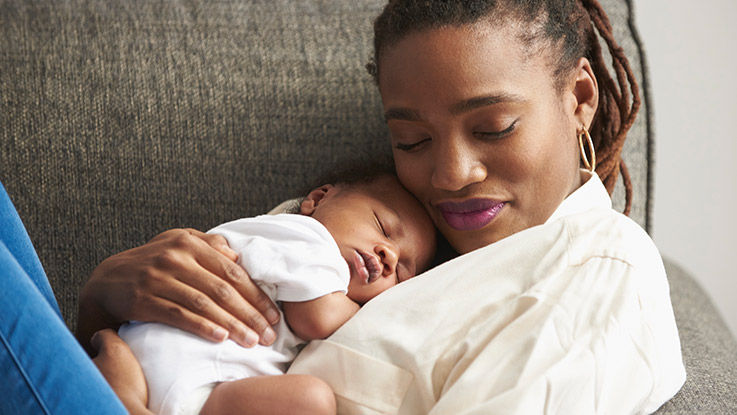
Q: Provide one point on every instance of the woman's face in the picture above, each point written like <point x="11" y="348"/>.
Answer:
<point x="481" y="134"/>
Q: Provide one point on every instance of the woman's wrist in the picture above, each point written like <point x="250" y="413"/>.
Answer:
<point x="91" y="317"/>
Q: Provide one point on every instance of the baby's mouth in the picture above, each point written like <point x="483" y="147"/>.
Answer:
<point x="366" y="266"/>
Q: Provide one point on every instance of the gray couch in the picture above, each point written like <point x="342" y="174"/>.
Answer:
<point x="121" y="119"/>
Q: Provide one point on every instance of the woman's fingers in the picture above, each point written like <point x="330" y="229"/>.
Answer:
<point x="230" y="287"/>
<point x="234" y="284"/>
<point x="216" y="241"/>
<point x="184" y="278"/>
<point x="238" y="278"/>
<point x="213" y="278"/>
<point x="187" y="306"/>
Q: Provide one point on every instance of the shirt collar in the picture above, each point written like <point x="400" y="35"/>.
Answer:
<point x="590" y="195"/>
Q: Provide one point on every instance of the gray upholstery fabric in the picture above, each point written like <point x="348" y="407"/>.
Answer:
<point x="121" y="119"/>
<point x="709" y="351"/>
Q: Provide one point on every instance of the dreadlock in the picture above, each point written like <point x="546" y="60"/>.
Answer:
<point x="572" y="26"/>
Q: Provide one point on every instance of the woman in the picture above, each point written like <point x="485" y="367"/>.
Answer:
<point x="563" y="304"/>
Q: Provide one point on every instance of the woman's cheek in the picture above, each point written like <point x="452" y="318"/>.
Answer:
<point x="410" y="172"/>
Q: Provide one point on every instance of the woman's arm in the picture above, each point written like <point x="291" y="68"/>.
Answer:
<point x="184" y="278"/>
<point x="609" y="345"/>
<point x="319" y="318"/>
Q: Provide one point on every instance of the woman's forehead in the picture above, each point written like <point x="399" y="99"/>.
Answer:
<point x="457" y="42"/>
<point x="456" y="63"/>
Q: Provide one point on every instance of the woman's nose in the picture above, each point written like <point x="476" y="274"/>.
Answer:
<point x="389" y="257"/>
<point x="456" y="164"/>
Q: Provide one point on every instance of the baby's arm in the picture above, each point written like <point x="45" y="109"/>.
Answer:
<point x="121" y="369"/>
<point x="319" y="318"/>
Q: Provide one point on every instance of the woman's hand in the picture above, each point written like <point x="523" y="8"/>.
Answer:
<point x="184" y="278"/>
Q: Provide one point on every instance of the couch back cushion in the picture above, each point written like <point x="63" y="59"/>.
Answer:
<point x="121" y="119"/>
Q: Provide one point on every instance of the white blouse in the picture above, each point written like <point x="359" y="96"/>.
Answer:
<point x="569" y="317"/>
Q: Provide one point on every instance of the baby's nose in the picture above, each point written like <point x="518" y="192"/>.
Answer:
<point x="389" y="257"/>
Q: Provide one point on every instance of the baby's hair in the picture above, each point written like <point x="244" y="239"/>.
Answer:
<point x="355" y="172"/>
<point x="348" y="173"/>
<point x="571" y="26"/>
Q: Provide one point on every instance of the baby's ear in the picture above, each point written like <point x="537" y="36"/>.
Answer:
<point x="309" y="204"/>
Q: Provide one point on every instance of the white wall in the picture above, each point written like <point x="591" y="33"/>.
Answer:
<point x="691" y="48"/>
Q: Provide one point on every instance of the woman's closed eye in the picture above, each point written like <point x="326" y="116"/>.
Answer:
<point x="493" y="135"/>
<point x="411" y="146"/>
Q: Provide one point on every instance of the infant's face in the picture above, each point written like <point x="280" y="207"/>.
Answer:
<point x="383" y="233"/>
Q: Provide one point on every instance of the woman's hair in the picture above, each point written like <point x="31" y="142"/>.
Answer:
<point x="571" y="26"/>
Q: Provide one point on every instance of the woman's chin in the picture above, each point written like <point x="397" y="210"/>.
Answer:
<point x="464" y="241"/>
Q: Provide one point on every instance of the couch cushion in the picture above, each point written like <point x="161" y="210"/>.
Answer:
<point x="709" y="351"/>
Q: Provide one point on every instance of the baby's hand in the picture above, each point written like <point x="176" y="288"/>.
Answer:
<point x="121" y="370"/>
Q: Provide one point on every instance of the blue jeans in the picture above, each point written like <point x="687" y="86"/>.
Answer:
<point x="44" y="370"/>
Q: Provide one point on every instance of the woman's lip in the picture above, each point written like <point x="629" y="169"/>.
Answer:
<point x="470" y="214"/>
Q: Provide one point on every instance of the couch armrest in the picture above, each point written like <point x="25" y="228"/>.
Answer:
<point x="709" y="351"/>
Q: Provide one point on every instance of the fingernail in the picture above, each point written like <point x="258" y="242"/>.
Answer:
<point x="272" y="316"/>
<point x="251" y="338"/>
<point x="220" y="333"/>
<point x="268" y="336"/>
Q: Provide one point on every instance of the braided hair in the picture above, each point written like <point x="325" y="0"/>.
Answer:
<point x="571" y="26"/>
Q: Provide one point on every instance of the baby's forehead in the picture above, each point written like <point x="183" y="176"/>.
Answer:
<point x="381" y="183"/>
<point x="387" y="191"/>
<point x="374" y="187"/>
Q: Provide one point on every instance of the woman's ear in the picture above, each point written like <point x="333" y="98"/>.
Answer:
<point x="586" y="93"/>
<point x="314" y="198"/>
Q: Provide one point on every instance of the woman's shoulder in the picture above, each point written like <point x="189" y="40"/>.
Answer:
<point x="606" y="233"/>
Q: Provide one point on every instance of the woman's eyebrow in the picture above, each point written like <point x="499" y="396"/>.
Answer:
<point x="483" y="101"/>
<point x="407" y="114"/>
<point x="404" y="114"/>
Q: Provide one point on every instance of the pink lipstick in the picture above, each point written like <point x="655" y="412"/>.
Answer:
<point x="470" y="214"/>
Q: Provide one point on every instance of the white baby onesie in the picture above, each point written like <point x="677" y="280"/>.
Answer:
<point x="292" y="258"/>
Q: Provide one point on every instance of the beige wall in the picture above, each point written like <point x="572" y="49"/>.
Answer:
<point x="692" y="53"/>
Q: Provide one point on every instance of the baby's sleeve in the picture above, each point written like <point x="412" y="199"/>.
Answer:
<point x="292" y="256"/>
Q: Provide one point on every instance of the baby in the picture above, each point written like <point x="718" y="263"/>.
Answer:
<point x="349" y="242"/>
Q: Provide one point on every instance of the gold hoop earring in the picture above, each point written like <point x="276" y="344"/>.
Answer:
<point x="592" y="165"/>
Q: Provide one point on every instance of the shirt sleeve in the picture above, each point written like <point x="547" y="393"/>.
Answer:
<point x="294" y="256"/>
<point x="587" y="351"/>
